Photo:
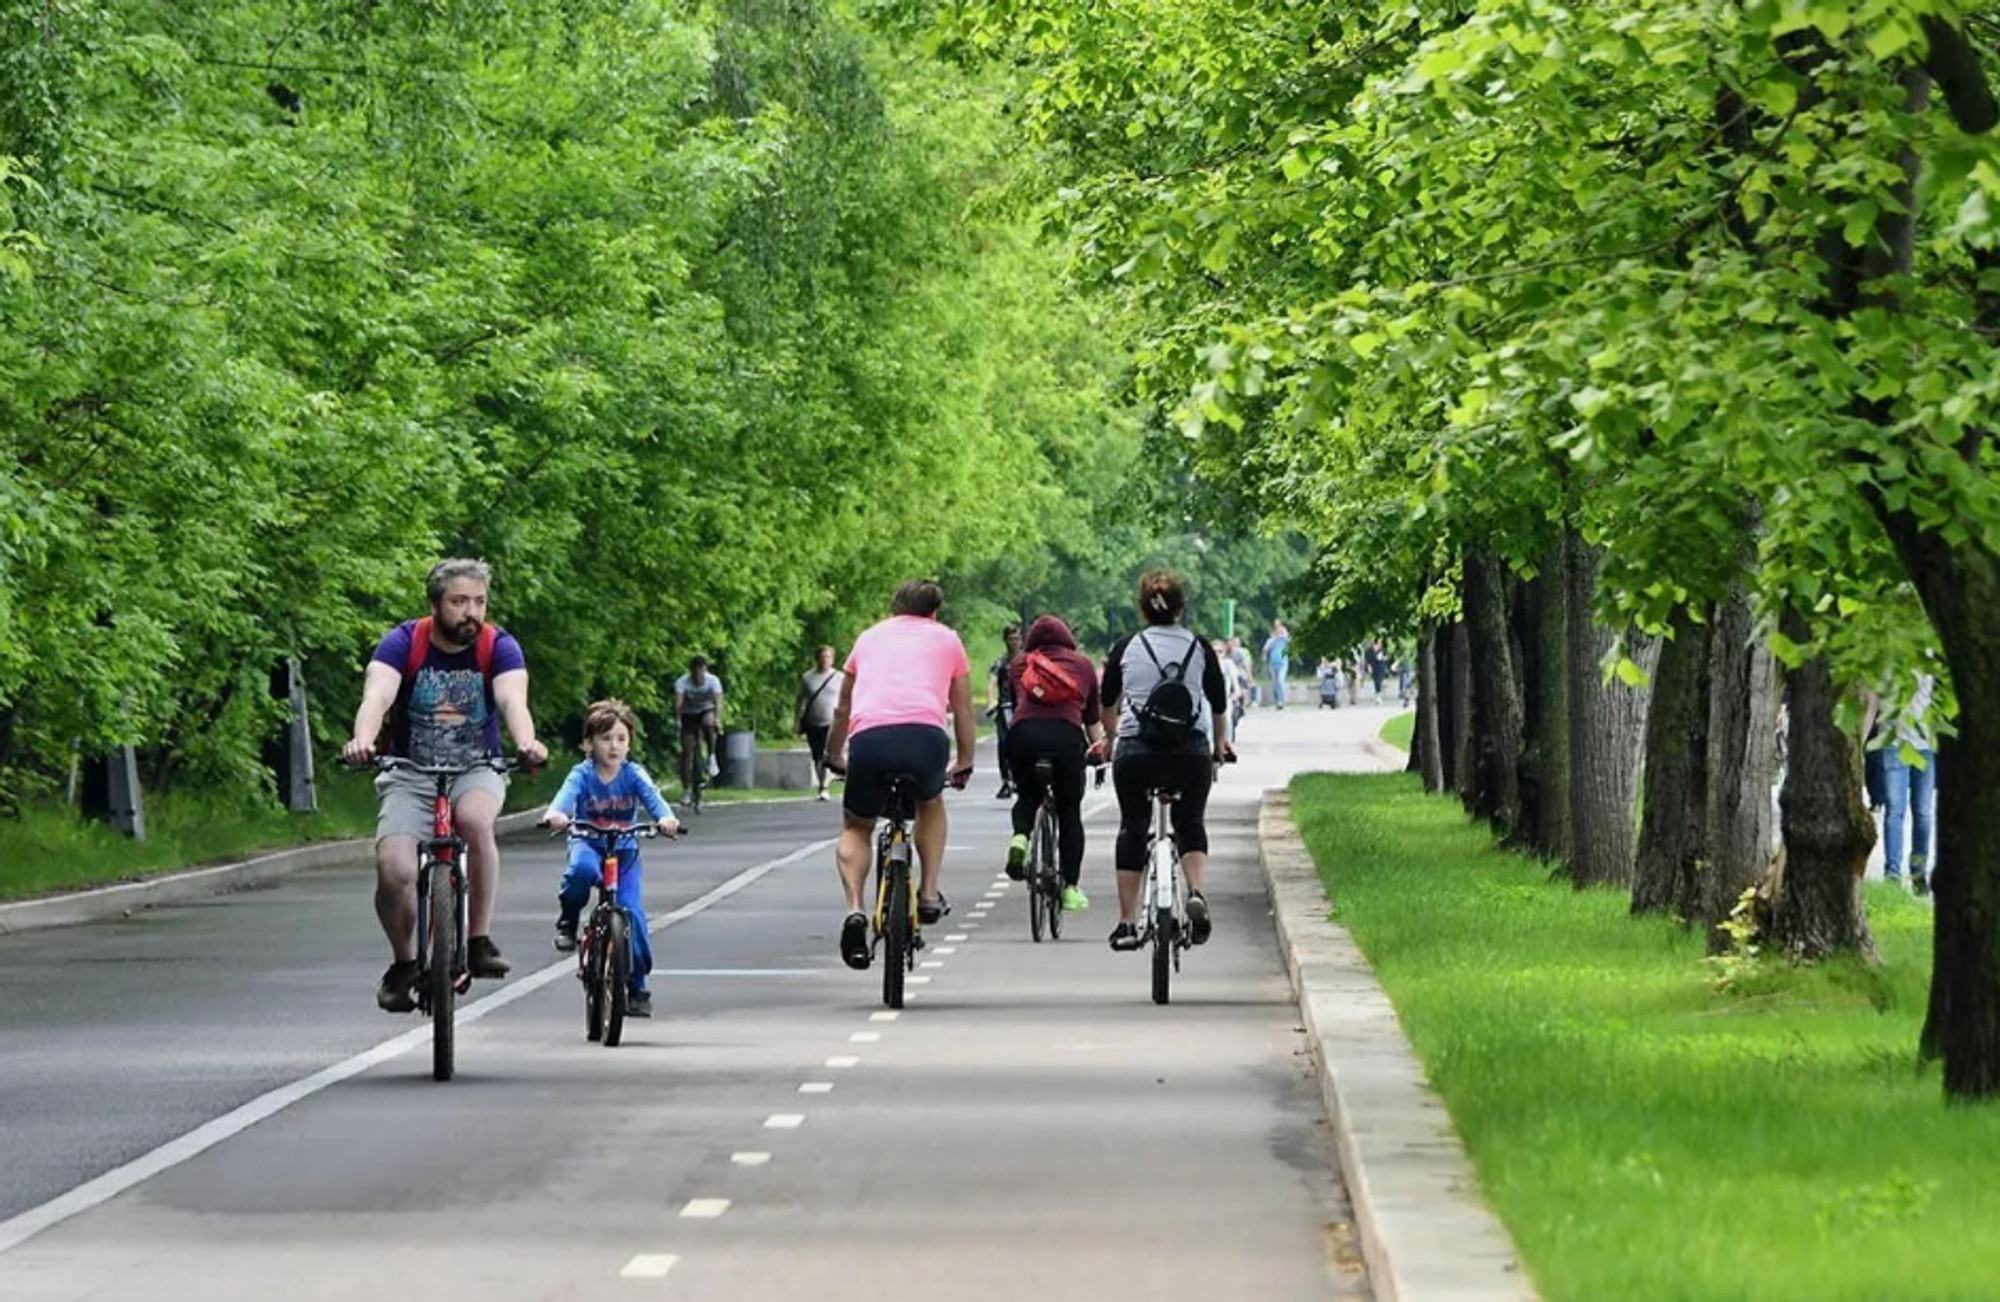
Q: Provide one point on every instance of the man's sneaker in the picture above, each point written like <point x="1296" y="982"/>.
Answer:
<point x="397" y="991"/>
<point x="1920" y="883"/>
<point x="639" y="1004"/>
<point x="565" y="935"/>
<point x="854" y="948"/>
<point x="482" y="959"/>
<point x="1198" y="923"/>
<point x="1074" y="900"/>
<point x="929" y="911"/>
<point x="1124" y="937"/>
<point x="1017" y="857"/>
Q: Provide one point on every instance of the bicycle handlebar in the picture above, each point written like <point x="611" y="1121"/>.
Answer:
<point x="397" y="764"/>
<point x="580" y="828"/>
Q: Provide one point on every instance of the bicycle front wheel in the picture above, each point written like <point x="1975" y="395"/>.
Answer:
<point x="590" y="967"/>
<point x="895" y="933"/>
<point x="442" y="980"/>
<point x="1038" y="890"/>
<point x="617" y="977"/>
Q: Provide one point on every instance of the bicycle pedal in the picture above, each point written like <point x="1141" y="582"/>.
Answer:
<point x="462" y="983"/>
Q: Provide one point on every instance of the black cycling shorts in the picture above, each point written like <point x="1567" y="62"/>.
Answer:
<point x="876" y="755"/>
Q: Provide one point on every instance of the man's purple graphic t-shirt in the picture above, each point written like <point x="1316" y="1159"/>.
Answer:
<point x="446" y="715"/>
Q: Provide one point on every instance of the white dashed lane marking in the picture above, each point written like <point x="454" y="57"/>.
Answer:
<point x="943" y="950"/>
<point x="843" y="1061"/>
<point x="956" y="936"/>
<point x="648" y="1266"/>
<point x="705" y="1209"/>
<point x="930" y="963"/>
<point x="917" y="981"/>
<point x="750" y="1159"/>
<point x="817" y="1087"/>
<point x="864" y="1037"/>
<point x="881" y="1017"/>
<point x="785" y="1121"/>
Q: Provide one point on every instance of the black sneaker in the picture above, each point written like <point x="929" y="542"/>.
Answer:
<point x="1920" y="884"/>
<point x="639" y="1004"/>
<point x="929" y="911"/>
<point x="397" y="991"/>
<point x="482" y="959"/>
<point x="1124" y="937"/>
<point x="1198" y="923"/>
<point x="565" y="941"/>
<point x="854" y="948"/>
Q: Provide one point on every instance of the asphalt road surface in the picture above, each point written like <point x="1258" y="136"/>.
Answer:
<point x="203" y="1102"/>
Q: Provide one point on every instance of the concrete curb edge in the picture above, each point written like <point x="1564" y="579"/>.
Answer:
<point x="1425" y="1233"/>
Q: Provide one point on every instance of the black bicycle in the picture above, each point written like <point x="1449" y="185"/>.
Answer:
<point x="604" y="954"/>
<point x="695" y="751"/>
<point x="442" y="974"/>
<point x="898" y="926"/>
<point x="1045" y="879"/>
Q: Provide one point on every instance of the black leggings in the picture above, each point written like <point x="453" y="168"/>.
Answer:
<point x="1133" y="770"/>
<point x="1062" y="745"/>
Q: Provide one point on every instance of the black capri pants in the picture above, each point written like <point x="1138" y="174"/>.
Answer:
<point x="1136" y="768"/>
<point x="1062" y="744"/>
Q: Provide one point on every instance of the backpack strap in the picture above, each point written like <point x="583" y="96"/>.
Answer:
<point x="420" y="649"/>
<point x="482" y="652"/>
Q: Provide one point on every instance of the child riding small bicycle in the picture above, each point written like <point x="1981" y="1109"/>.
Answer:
<point x="608" y="787"/>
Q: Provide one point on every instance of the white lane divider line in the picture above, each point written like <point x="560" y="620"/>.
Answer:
<point x="994" y="894"/>
<point x="955" y="936"/>
<point x="972" y="926"/>
<point x="917" y="981"/>
<point x="841" y="1062"/>
<point x="704" y="1209"/>
<point x="648" y="1266"/>
<point x="26" y="1225"/>
<point x="882" y="1017"/>
<point x="930" y="962"/>
<point x="943" y="950"/>
<point x="865" y="1037"/>
<point x="784" y="1121"/>
<point x="750" y="1159"/>
<point x="817" y="1087"/>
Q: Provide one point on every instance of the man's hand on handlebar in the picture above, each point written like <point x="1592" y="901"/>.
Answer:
<point x="534" y="754"/>
<point x="357" y="753"/>
<point x="959" y="777"/>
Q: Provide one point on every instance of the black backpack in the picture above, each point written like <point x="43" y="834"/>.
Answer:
<point x="1168" y="715"/>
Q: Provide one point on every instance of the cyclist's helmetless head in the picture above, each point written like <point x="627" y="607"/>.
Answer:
<point x="457" y="589"/>
<point x="919" y="597"/>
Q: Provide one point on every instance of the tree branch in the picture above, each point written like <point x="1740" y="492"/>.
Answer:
<point x="1954" y="64"/>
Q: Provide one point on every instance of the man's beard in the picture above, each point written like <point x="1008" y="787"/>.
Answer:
<point x="466" y="631"/>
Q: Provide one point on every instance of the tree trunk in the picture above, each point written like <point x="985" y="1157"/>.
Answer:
<point x="1607" y="729"/>
<point x="1428" y="733"/>
<point x="1828" y="833"/>
<point x="1546" y="706"/>
<point x="1742" y="763"/>
<point x="1496" y="695"/>
<point x="1960" y="588"/>
<point x="1672" y="830"/>
<point x="1465" y="771"/>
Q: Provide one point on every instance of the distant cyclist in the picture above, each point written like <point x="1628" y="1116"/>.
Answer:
<point x="443" y="684"/>
<point x="905" y="677"/>
<point x="1165" y="702"/>
<point x="1056" y="715"/>
<point x="698" y="707"/>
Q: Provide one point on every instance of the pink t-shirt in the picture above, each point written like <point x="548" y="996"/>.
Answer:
<point x="902" y="670"/>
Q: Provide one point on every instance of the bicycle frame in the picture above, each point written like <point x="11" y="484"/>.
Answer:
<point x="1166" y="886"/>
<point x="445" y="850"/>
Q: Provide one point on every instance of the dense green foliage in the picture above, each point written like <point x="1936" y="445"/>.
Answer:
<point x="1644" y="1134"/>
<point x="695" y="321"/>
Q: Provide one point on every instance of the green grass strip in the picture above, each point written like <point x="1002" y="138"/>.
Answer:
<point x="1399" y="731"/>
<point x="1644" y="1135"/>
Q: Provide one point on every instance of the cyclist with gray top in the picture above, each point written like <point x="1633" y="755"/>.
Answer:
<point x="1166" y="702"/>
<point x="444" y="685"/>
<point x="698" y="708"/>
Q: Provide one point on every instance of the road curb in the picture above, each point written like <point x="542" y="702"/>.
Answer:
<point x="1425" y="1233"/>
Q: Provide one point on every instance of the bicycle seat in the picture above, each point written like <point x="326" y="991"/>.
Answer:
<point x="1165" y="795"/>
<point x="1045" y="768"/>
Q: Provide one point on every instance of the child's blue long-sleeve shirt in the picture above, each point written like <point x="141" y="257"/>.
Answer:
<point x="586" y="796"/>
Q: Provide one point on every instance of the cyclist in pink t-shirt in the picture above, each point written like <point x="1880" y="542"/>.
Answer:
<point x="904" y="678"/>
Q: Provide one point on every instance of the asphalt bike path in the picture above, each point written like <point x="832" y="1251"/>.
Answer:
<point x="1031" y="1121"/>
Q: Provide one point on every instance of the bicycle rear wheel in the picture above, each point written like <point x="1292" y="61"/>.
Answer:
<point x="1050" y="875"/>
<point x="1164" y="937"/>
<point x="1038" y="898"/>
<point x="895" y="931"/>
<point x="440" y="976"/>
<point x="617" y="972"/>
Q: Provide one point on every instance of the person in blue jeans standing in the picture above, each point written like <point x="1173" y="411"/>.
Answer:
<point x="1898" y="734"/>
<point x="608" y="787"/>
<point x="1278" y="655"/>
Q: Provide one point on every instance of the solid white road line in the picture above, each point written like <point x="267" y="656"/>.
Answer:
<point x="18" y="1229"/>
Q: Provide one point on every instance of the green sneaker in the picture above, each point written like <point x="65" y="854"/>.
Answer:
<point x="1074" y="900"/>
<point x="1017" y="857"/>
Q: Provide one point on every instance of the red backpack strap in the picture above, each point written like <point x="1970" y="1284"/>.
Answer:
<point x="420" y="649"/>
<point x="482" y="651"/>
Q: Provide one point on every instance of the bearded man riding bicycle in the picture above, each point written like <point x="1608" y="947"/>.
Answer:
<point x="443" y="684"/>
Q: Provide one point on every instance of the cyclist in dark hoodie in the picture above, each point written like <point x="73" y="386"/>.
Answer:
<point x="1056" y="716"/>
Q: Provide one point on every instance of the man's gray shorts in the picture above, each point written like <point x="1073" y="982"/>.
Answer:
<point x="405" y="799"/>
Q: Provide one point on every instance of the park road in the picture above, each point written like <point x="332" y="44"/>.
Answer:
<point x="1031" y="1125"/>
